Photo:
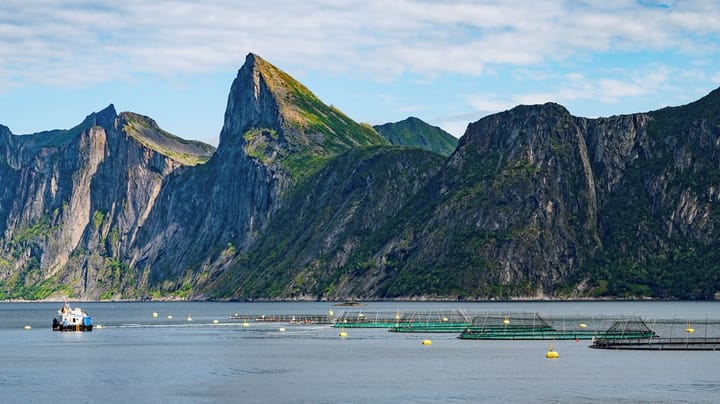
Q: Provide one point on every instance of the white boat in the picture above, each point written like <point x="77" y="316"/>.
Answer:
<point x="72" y="319"/>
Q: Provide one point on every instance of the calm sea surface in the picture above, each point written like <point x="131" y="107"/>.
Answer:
<point x="138" y="358"/>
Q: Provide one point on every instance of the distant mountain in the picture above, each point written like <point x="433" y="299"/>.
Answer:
<point x="301" y="202"/>
<point x="415" y="132"/>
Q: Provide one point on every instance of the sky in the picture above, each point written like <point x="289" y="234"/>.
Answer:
<point x="448" y="63"/>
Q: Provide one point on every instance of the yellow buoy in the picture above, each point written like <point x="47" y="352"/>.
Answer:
<point x="155" y="314"/>
<point x="27" y="327"/>
<point x="98" y="326"/>
<point x="342" y="334"/>
<point x="689" y="329"/>
<point x="281" y="329"/>
<point x="215" y="321"/>
<point x="169" y="317"/>
<point x="246" y="324"/>
<point x="427" y="342"/>
<point x="551" y="354"/>
<point x="506" y="321"/>
<point x="189" y="318"/>
<point x="583" y="325"/>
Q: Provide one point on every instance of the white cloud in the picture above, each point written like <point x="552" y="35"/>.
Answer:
<point x="77" y="41"/>
<point x="575" y="87"/>
<point x="508" y="52"/>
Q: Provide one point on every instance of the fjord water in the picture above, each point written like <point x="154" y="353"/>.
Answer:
<point x="136" y="357"/>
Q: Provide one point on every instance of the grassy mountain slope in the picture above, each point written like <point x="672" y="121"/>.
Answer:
<point x="415" y="132"/>
<point x="147" y="132"/>
<point x="306" y="131"/>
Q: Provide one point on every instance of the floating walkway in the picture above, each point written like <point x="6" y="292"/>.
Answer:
<point x="660" y="344"/>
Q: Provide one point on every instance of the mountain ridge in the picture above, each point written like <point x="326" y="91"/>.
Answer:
<point x="301" y="202"/>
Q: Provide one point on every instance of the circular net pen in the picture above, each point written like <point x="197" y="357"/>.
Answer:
<point x="413" y="321"/>
<point x="506" y="326"/>
<point x="670" y="335"/>
<point x="440" y="321"/>
<point x="532" y="326"/>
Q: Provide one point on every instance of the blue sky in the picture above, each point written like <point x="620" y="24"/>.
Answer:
<point x="447" y="62"/>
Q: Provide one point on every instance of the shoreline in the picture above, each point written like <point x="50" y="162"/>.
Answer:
<point x="360" y="301"/>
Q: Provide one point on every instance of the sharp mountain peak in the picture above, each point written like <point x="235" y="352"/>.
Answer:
<point x="278" y="121"/>
<point x="105" y="117"/>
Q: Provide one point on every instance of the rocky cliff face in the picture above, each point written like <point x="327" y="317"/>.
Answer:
<point x="75" y="199"/>
<point x="304" y="252"/>
<point x="659" y="217"/>
<point x="511" y="213"/>
<point x="535" y="203"/>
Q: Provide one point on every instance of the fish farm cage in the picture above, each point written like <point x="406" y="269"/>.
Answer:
<point x="532" y="326"/>
<point x="416" y="321"/>
<point x="670" y="335"/>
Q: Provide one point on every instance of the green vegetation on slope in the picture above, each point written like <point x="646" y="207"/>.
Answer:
<point x="146" y="132"/>
<point x="323" y="218"/>
<point x="414" y="132"/>
<point x="314" y="132"/>
<point x="640" y="256"/>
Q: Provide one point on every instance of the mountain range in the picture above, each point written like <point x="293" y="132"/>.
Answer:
<point x="299" y="201"/>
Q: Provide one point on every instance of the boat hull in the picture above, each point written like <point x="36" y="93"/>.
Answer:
<point x="72" y="327"/>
